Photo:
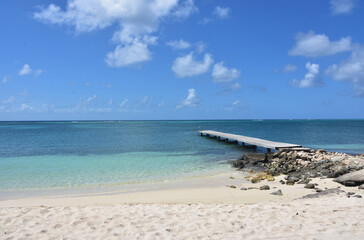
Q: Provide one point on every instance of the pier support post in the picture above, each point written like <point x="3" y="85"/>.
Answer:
<point x="268" y="150"/>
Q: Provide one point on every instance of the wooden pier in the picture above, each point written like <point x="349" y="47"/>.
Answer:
<point x="253" y="142"/>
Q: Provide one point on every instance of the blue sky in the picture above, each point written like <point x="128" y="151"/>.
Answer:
<point x="170" y="59"/>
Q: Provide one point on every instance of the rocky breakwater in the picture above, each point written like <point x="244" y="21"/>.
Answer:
<point x="301" y="165"/>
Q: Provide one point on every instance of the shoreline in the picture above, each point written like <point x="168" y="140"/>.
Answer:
<point x="221" y="206"/>
<point x="208" y="189"/>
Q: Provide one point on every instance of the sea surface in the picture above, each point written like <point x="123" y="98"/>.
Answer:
<point x="64" y="155"/>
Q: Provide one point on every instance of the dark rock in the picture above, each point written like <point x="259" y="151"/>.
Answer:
<point x="238" y="164"/>
<point x="250" y="188"/>
<point x="290" y="181"/>
<point x="318" y="190"/>
<point x="232" y="186"/>
<point x="357" y="196"/>
<point x="324" y="193"/>
<point x="351" y="179"/>
<point x="283" y="182"/>
<point x="361" y="186"/>
<point x="264" y="187"/>
<point x="294" y="179"/>
<point x="255" y="158"/>
<point x="243" y="188"/>
<point x="351" y="193"/>
<point x="277" y="193"/>
<point x="338" y="171"/>
<point x="309" y="185"/>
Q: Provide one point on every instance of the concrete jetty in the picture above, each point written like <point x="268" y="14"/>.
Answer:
<point x="253" y="142"/>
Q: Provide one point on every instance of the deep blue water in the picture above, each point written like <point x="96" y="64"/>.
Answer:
<point x="43" y="155"/>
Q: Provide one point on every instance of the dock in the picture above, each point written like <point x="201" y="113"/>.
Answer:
<point x="253" y="142"/>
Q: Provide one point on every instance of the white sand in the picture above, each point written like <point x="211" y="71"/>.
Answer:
<point x="197" y="212"/>
<point x="323" y="218"/>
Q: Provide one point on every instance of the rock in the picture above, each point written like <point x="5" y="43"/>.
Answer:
<point x="357" y="196"/>
<point x="294" y="179"/>
<point x="351" y="193"/>
<point x="255" y="158"/>
<point x="238" y="164"/>
<point x="318" y="190"/>
<point x="264" y="187"/>
<point x="250" y="188"/>
<point x="277" y="193"/>
<point x="243" y="188"/>
<point x="361" y="186"/>
<point x="254" y="180"/>
<point x="351" y="179"/>
<point x="291" y="181"/>
<point x="310" y="185"/>
<point x="338" y="171"/>
<point x="232" y="186"/>
<point x="282" y="182"/>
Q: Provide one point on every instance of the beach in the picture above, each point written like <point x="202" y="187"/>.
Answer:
<point x="203" y="210"/>
<point x="61" y="185"/>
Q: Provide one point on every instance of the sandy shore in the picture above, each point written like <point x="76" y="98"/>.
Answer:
<point x="203" y="208"/>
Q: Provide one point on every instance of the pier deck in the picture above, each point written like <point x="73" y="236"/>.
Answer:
<point x="248" y="140"/>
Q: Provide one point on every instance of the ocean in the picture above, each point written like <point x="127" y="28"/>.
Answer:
<point x="86" y="154"/>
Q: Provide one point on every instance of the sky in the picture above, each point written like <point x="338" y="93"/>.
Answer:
<point x="181" y="59"/>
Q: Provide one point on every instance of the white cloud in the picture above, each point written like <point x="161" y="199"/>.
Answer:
<point x="191" y="100"/>
<point x="90" y="99"/>
<point x="236" y="102"/>
<point x="5" y="79"/>
<point x="351" y="70"/>
<point x="188" y="66"/>
<point x="311" y="78"/>
<point x="137" y="20"/>
<point x="110" y="102"/>
<point x="200" y="47"/>
<point x="289" y="68"/>
<point x="26" y="70"/>
<point x="235" y="86"/>
<point x="205" y="21"/>
<point x="25" y="107"/>
<point x="185" y="9"/>
<point x="317" y="45"/>
<point x="341" y="6"/>
<point x="145" y="102"/>
<point x="9" y="100"/>
<point x="222" y="12"/>
<point x="136" y="52"/>
<point x="221" y="74"/>
<point x="179" y="44"/>
<point x="123" y="103"/>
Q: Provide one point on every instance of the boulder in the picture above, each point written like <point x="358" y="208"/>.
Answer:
<point x="238" y="164"/>
<point x="310" y="185"/>
<point x="338" y="171"/>
<point x="351" y="179"/>
<point x="277" y="193"/>
<point x="264" y="187"/>
<point x="255" y="158"/>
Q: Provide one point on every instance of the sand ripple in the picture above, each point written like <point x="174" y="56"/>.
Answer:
<point x="324" y="218"/>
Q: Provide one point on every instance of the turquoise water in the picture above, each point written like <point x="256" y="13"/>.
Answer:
<point x="61" y="155"/>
